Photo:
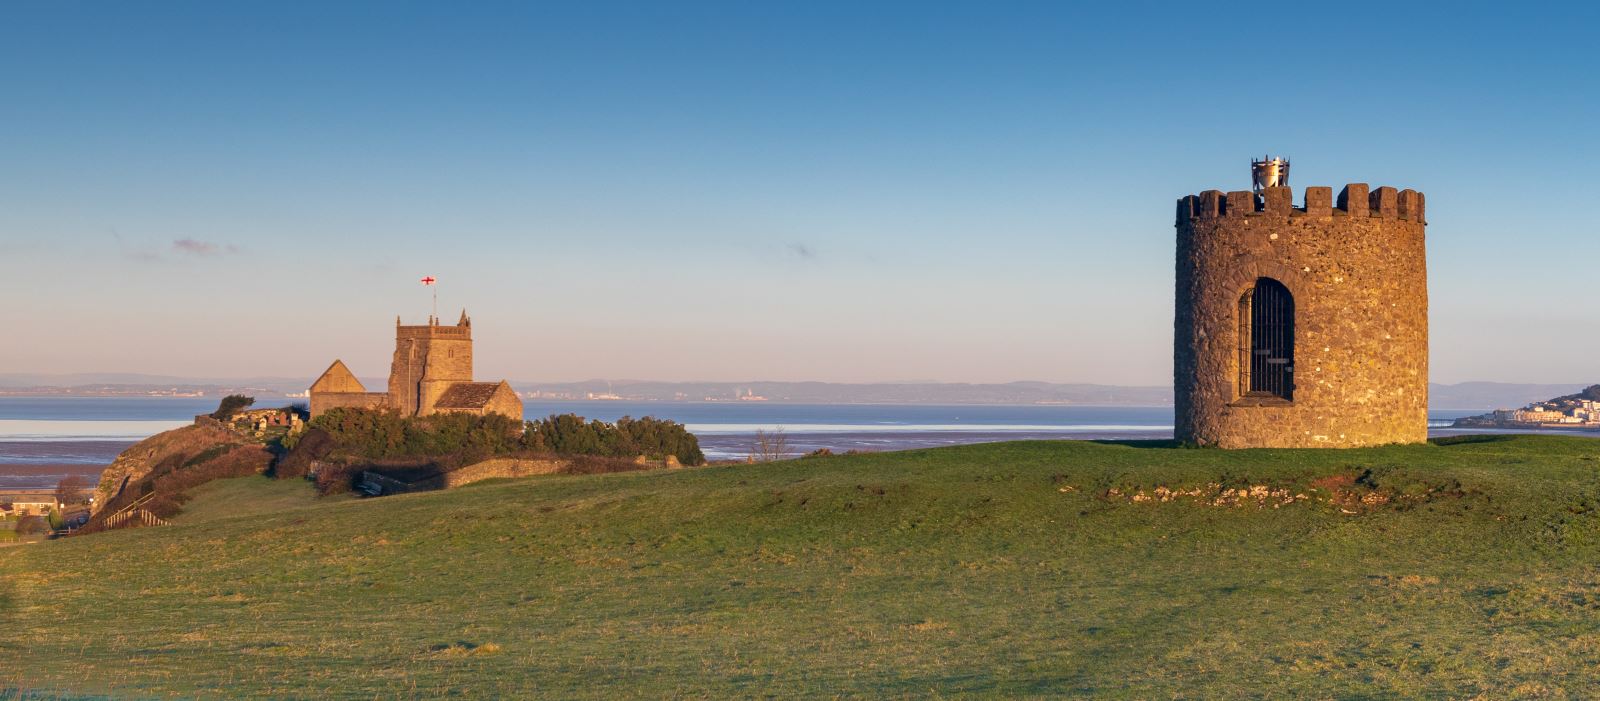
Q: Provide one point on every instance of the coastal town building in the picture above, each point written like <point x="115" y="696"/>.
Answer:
<point x="1578" y="414"/>
<point x="1301" y="326"/>
<point x="20" y="502"/>
<point x="431" y="373"/>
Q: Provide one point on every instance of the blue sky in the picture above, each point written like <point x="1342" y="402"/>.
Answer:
<point x="848" y="192"/>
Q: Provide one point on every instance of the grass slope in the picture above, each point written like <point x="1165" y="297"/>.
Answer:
<point x="238" y="497"/>
<point x="981" y="570"/>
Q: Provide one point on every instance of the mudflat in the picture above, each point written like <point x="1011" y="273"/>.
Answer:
<point x="45" y="475"/>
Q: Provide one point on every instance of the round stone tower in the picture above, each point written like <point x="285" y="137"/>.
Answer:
<point x="1301" y="326"/>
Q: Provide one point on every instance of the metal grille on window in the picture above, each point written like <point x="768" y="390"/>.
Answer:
<point x="1271" y="362"/>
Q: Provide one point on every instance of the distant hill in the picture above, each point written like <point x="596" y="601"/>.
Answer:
<point x="1495" y="395"/>
<point x="1467" y="395"/>
<point x="864" y="393"/>
<point x="24" y="379"/>
<point x="122" y="384"/>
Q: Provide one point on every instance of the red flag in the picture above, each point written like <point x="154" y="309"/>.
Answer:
<point x="428" y="280"/>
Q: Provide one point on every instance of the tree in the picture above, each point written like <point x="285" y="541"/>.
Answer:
<point x="770" y="445"/>
<point x="72" y="489"/>
<point x="230" y="405"/>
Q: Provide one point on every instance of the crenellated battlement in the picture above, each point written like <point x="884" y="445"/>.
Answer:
<point x="460" y="332"/>
<point x="1355" y="200"/>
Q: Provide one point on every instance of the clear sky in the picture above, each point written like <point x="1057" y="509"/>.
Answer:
<point x="759" y="190"/>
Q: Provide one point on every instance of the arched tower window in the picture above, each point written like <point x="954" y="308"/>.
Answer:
<point x="1266" y="341"/>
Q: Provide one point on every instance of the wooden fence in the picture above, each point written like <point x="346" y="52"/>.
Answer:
<point x="136" y="513"/>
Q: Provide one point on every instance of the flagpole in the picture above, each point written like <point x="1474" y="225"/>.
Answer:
<point x="429" y="281"/>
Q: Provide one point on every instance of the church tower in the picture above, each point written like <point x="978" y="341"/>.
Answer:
<point x="427" y="360"/>
<point x="1301" y="326"/>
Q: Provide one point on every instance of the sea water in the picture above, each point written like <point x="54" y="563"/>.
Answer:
<point x="92" y="430"/>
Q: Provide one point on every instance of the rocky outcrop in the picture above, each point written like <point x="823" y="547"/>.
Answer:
<point x="172" y="448"/>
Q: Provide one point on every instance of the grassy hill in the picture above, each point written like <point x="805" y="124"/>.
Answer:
<point x="1018" y="569"/>
<point x="239" y="497"/>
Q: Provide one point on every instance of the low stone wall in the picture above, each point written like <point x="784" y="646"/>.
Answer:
<point x="494" y="468"/>
<point x="499" y="468"/>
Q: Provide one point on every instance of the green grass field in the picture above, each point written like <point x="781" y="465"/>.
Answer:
<point x="1444" y="571"/>
<point x="239" y="497"/>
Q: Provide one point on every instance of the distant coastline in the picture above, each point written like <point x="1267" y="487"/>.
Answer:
<point x="1579" y="411"/>
<point x="1479" y="396"/>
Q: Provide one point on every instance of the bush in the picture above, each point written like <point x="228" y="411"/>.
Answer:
<point x="313" y="444"/>
<point x="32" y="525"/>
<point x="569" y="434"/>
<point x="231" y="405"/>
<point x="350" y="440"/>
<point x="338" y="478"/>
<point x="381" y="434"/>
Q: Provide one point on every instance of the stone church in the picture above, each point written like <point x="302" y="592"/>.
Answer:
<point x="431" y="373"/>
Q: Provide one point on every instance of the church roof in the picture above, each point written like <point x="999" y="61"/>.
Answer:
<point x="467" y="395"/>
<point x="337" y="378"/>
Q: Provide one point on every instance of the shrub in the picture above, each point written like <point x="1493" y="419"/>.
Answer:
<point x="32" y="525"/>
<point x="313" y="444"/>
<point x="338" y="478"/>
<point x="569" y="434"/>
<point x="230" y="405"/>
<point x="380" y="434"/>
<point x="350" y="440"/>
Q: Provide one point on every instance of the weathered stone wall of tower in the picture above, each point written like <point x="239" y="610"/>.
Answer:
<point x="323" y="401"/>
<point x="426" y="360"/>
<point x="1357" y="272"/>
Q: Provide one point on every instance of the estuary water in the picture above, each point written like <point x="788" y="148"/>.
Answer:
<point x="43" y="439"/>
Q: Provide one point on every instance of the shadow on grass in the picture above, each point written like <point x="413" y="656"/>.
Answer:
<point x="1473" y="439"/>
<point x="1167" y="444"/>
